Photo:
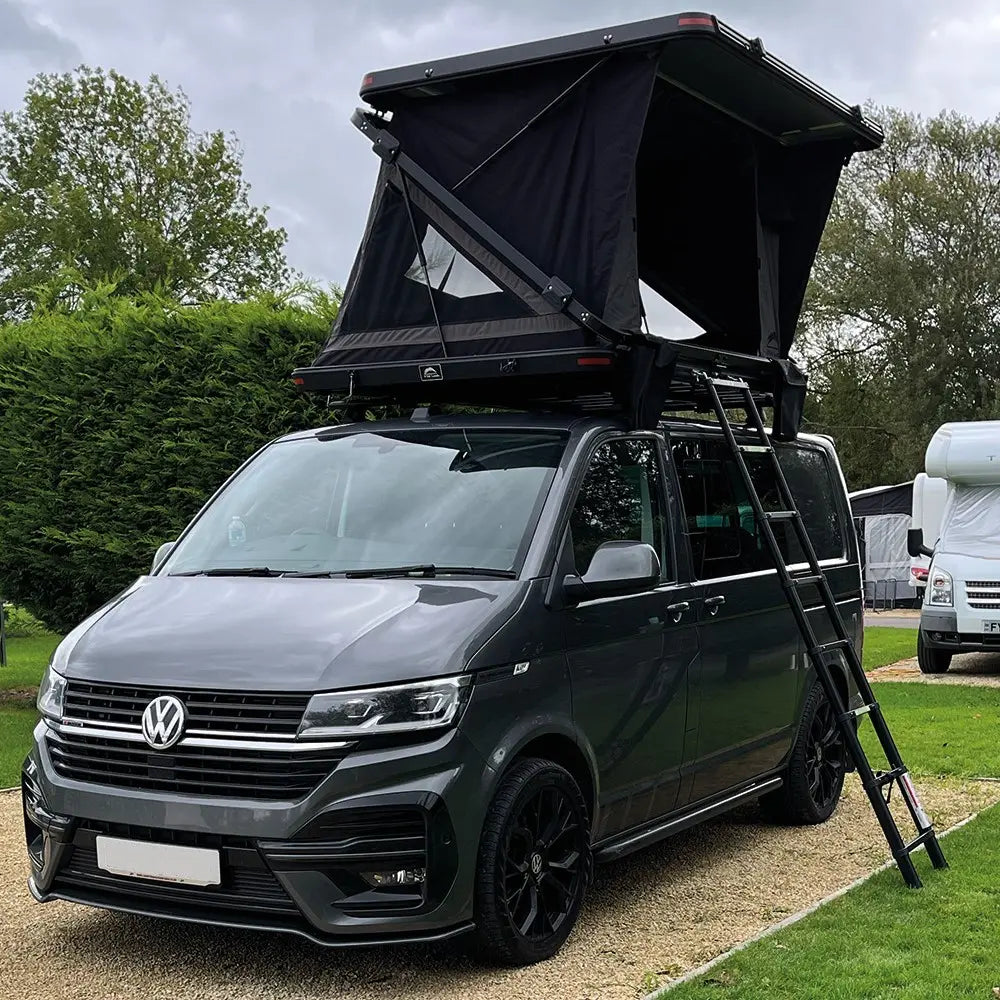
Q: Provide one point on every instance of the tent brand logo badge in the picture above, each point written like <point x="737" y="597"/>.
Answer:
<point x="431" y="373"/>
<point x="163" y="722"/>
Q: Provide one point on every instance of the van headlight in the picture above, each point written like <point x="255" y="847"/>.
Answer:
<point x="396" y="709"/>
<point x="940" y="590"/>
<point x="52" y="695"/>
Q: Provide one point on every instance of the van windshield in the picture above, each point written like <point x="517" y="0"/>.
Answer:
<point x="378" y="500"/>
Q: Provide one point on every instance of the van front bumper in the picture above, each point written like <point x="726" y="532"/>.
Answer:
<point x="295" y="867"/>
<point x="943" y="630"/>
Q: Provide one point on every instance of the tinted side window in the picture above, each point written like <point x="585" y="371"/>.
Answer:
<point x="723" y="533"/>
<point x="621" y="499"/>
<point x="816" y="493"/>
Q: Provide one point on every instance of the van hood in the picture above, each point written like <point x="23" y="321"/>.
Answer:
<point x="286" y="634"/>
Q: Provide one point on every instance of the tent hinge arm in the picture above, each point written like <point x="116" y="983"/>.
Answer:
<point x="558" y="293"/>
<point x="387" y="147"/>
<point x="385" y="144"/>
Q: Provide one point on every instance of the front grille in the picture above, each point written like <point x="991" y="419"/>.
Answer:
<point x="281" y="773"/>
<point x="207" y="711"/>
<point x="247" y="883"/>
<point x="983" y="595"/>
<point x="182" y="838"/>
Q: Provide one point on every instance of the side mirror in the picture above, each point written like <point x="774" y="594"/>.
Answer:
<point x="915" y="543"/>
<point x="161" y="553"/>
<point x="616" y="568"/>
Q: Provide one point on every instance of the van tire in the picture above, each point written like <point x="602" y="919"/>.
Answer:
<point x="931" y="661"/>
<point x="814" y="777"/>
<point x="512" y="847"/>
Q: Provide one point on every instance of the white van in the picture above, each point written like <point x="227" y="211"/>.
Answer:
<point x="961" y="609"/>
<point x="929" y="496"/>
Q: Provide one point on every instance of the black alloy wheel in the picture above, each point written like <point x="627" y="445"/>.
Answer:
<point x="825" y="757"/>
<point x="814" y="777"/>
<point x="534" y="864"/>
<point x="542" y="856"/>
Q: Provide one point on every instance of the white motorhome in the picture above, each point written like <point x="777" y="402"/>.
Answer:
<point x="929" y="496"/>
<point x="961" y="608"/>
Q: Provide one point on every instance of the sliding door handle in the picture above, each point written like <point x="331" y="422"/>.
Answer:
<point x="714" y="603"/>
<point x="676" y="610"/>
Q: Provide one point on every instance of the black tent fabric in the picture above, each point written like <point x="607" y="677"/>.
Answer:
<point x="674" y="152"/>
<point x="561" y="193"/>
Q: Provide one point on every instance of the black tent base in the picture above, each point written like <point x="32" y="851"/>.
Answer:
<point x="640" y="382"/>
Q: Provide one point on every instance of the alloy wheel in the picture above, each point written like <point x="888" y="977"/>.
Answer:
<point x="543" y="854"/>
<point x="825" y="756"/>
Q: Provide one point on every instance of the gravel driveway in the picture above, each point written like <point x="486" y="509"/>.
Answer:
<point x="661" y="912"/>
<point x="975" y="669"/>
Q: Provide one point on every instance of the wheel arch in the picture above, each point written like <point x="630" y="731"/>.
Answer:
<point x="562" y="749"/>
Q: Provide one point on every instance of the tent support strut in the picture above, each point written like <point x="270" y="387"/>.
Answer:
<point x="423" y="261"/>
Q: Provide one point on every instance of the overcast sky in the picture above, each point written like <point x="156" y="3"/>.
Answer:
<point x="283" y="75"/>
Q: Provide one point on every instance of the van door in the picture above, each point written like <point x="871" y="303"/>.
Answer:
<point x="751" y="665"/>
<point x="629" y="656"/>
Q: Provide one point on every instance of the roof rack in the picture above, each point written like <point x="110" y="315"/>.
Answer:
<point x="641" y="380"/>
<point x="523" y="193"/>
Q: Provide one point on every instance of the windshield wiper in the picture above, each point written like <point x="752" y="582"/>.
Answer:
<point x="231" y="571"/>
<point x="430" y="570"/>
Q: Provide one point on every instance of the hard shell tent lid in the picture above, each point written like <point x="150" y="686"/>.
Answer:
<point x="524" y="193"/>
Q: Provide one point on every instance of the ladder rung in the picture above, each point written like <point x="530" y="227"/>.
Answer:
<point x="800" y="581"/>
<point x="920" y="838"/>
<point x="781" y="515"/>
<point x="729" y="383"/>
<point x="886" y="777"/>
<point x="829" y="647"/>
<point x="856" y="713"/>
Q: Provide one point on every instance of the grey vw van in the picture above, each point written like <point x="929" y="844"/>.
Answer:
<point x="408" y="679"/>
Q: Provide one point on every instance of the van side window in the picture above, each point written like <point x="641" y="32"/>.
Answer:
<point x="810" y="478"/>
<point x="723" y="533"/>
<point x="621" y="499"/>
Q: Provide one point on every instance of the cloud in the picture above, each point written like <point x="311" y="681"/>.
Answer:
<point x="25" y="34"/>
<point x="284" y="76"/>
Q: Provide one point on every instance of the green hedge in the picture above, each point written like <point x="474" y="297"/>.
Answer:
<point x="21" y="624"/>
<point x="118" y="420"/>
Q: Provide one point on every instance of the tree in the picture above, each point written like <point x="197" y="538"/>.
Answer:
<point x="902" y="315"/>
<point x="103" y="177"/>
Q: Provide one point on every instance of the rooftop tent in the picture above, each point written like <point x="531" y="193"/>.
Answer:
<point x="525" y="192"/>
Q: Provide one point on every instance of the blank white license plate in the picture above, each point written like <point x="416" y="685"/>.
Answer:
<point x="991" y="626"/>
<point x="163" y="862"/>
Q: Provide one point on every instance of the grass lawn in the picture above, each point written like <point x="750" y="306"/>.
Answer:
<point x="26" y="659"/>
<point x="882" y="940"/>
<point x="887" y="645"/>
<point x="940" y="729"/>
<point x="16" y="725"/>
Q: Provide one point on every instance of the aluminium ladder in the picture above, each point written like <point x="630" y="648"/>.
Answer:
<point x="791" y="582"/>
